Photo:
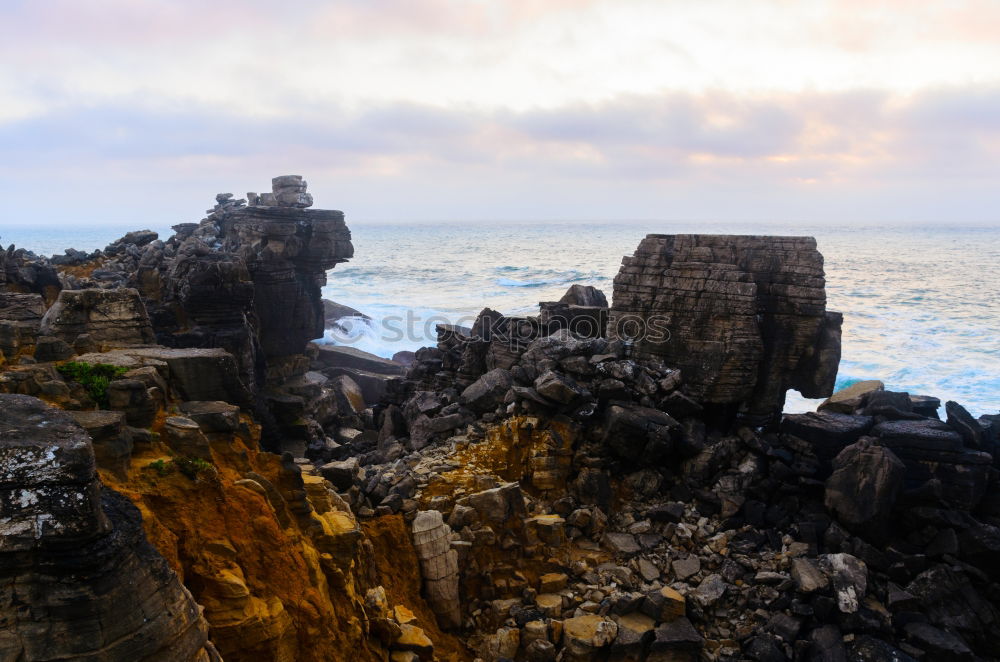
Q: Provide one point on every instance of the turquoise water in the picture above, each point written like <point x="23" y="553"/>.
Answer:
<point x="921" y="304"/>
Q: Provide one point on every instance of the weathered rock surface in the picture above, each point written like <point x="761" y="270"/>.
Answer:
<point x="862" y="491"/>
<point x="743" y="317"/>
<point x="111" y="317"/>
<point x="76" y="554"/>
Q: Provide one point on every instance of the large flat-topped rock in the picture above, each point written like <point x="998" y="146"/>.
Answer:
<point x="116" y="317"/>
<point x="744" y="317"/>
<point x="196" y="373"/>
<point x="338" y="356"/>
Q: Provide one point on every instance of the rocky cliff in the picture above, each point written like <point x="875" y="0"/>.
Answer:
<point x="80" y="579"/>
<point x="744" y="318"/>
<point x="536" y="488"/>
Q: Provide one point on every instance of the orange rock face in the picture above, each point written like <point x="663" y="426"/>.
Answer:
<point x="280" y="569"/>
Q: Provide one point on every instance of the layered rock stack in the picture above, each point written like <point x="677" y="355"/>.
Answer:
<point x="20" y="318"/>
<point x="79" y="579"/>
<point x="286" y="191"/>
<point x="743" y="317"/>
<point x="24" y="272"/>
<point x="439" y="564"/>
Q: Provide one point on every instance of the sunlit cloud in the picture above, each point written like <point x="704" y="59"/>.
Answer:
<point x="613" y="108"/>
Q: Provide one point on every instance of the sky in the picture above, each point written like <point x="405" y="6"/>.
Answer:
<point x="857" y="111"/>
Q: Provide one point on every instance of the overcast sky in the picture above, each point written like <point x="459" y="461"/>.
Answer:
<point x="853" y="111"/>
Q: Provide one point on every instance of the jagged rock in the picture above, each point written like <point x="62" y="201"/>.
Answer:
<point x="49" y="348"/>
<point x="213" y="416"/>
<point x="342" y="474"/>
<point x="674" y="637"/>
<point x="743" y="317"/>
<point x="111" y="440"/>
<point x="826" y="644"/>
<point x="185" y="437"/>
<point x="584" y="295"/>
<point x="105" y="593"/>
<point x="850" y="580"/>
<point x="934" y="451"/>
<point x="664" y="605"/>
<point x="687" y="567"/>
<point x="488" y="391"/>
<point x="558" y="388"/>
<point x="635" y="631"/>
<point x="584" y="636"/>
<point x="113" y="317"/>
<point x="828" y="432"/>
<point x="709" y="590"/>
<point x="962" y="421"/>
<point x="808" y="578"/>
<point x="25" y="273"/>
<point x="863" y="488"/>
<point x="938" y="644"/>
<point x="20" y="318"/>
<point x="639" y="434"/>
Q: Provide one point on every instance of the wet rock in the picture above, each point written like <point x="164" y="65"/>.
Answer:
<point x="849" y="399"/>
<point x="962" y="421"/>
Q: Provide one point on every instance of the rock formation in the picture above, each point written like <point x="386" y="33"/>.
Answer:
<point x="743" y="317"/>
<point x="109" y="317"/>
<point x="80" y="580"/>
<point x="540" y="486"/>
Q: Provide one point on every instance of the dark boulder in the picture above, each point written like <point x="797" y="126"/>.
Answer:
<point x="827" y="432"/>
<point x="487" y="392"/>
<point x="861" y="492"/>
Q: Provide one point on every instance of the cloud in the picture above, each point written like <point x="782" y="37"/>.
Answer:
<point x="795" y="146"/>
<point x="454" y="108"/>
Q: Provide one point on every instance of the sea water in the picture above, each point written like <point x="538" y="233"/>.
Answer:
<point x="921" y="304"/>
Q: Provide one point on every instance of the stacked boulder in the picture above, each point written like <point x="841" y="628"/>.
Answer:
<point x="439" y="564"/>
<point x="286" y="191"/>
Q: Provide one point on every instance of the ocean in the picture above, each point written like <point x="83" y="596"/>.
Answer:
<point x="921" y="304"/>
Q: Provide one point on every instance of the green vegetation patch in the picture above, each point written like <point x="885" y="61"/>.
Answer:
<point x="188" y="466"/>
<point x="94" y="377"/>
